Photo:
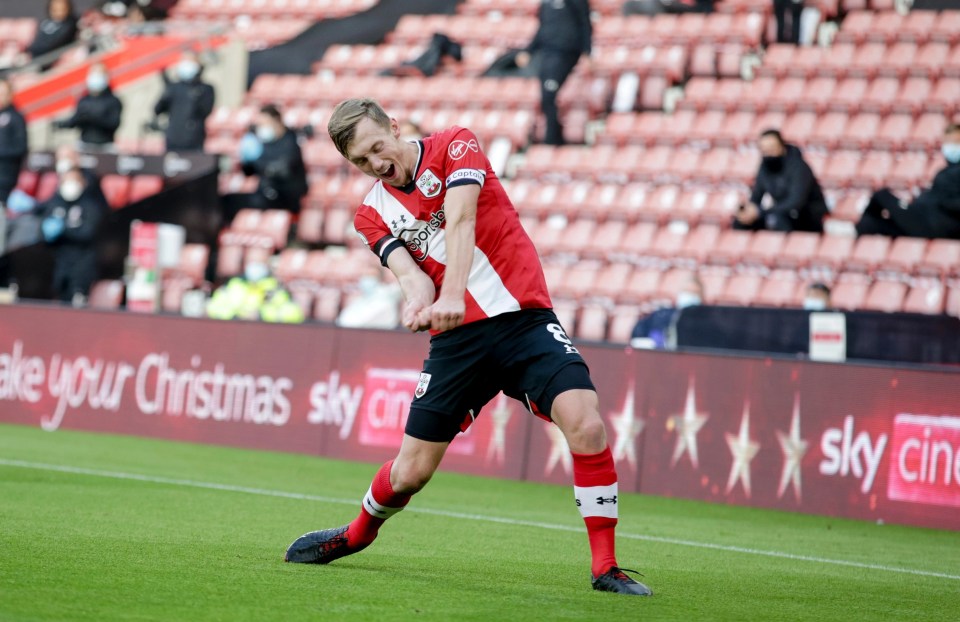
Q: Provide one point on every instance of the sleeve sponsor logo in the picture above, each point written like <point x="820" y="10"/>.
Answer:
<point x="459" y="148"/>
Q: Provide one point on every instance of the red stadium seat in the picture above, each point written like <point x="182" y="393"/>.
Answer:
<point x="905" y="255"/>
<point x="764" y="248"/>
<point x="856" y="26"/>
<point x="886" y="296"/>
<point x="592" y="323"/>
<point x="868" y="253"/>
<point x="798" y="250"/>
<point x="926" y="296"/>
<point x="942" y="258"/>
<point x="881" y="95"/>
<point x="741" y="290"/>
<point x="622" y="321"/>
<point x="833" y="252"/>
<point x="849" y="295"/>
<point x="730" y="247"/>
<point x="779" y="289"/>
<point x="643" y="286"/>
<point x="106" y="294"/>
<point x="117" y="190"/>
<point x="893" y="132"/>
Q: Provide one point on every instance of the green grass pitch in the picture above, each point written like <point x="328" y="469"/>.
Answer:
<point x="98" y="527"/>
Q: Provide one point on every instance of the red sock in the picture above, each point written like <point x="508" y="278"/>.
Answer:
<point x="379" y="504"/>
<point x="595" y="487"/>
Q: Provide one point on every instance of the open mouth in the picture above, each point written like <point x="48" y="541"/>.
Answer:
<point x="390" y="173"/>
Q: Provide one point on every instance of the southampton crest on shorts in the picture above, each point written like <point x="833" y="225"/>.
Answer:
<point x="429" y="184"/>
<point x="422" y="385"/>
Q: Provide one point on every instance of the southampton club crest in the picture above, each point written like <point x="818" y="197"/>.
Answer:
<point x="429" y="184"/>
<point x="422" y="385"/>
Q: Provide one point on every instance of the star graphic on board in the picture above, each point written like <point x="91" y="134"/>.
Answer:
<point x="501" y="414"/>
<point x="559" y="452"/>
<point x="627" y="426"/>
<point x="687" y="424"/>
<point x="793" y="448"/>
<point x="743" y="450"/>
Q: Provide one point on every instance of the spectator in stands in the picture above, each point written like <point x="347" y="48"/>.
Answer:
<point x="934" y="213"/>
<point x="67" y="157"/>
<point x="57" y="29"/>
<point x="70" y="221"/>
<point x="13" y="141"/>
<point x="817" y="297"/>
<point x="788" y="20"/>
<point x="797" y="200"/>
<point x="564" y="36"/>
<point x="187" y="102"/>
<point x="272" y="152"/>
<point x="377" y="306"/>
<point x="655" y="330"/>
<point x="255" y="296"/>
<point x="98" y="112"/>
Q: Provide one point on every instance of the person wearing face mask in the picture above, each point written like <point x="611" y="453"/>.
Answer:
<point x="98" y="112"/>
<point x="798" y="203"/>
<point x="817" y="297"/>
<point x="187" y="102"/>
<point x="270" y="151"/>
<point x="67" y="157"/>
<point x="934" y="213"/>
<point x="654" y="330"/>
<point x="13" y="141"/>
<point x="69" y="224"/>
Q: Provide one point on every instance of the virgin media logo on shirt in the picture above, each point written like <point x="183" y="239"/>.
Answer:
<point x="460" y="148"/>
<point x="925" y="460"/>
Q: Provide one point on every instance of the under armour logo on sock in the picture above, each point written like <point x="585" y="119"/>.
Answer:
<point x="602" y="500"/>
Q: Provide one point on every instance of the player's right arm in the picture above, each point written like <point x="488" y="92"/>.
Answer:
<point x="417" y="287"/>
<point x="418" y="290"/>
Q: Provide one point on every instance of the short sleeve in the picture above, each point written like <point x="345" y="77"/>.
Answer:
<point x="374" y="233"/>
<point x="465" y="162"/>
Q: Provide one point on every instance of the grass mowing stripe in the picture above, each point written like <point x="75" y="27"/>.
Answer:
<point x="475" y="517"/>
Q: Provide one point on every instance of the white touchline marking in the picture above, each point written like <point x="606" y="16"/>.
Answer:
<point x="477" y="517"/>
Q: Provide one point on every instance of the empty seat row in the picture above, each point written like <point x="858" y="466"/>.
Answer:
<point x="929" y="60"/>
<point x="412" y="92"/>
<point x="834" y="130"/>
<point x="912" y="95"/>
<point x="891" y="26"/>
<point x="722" y="166"/>
<point x="260" y="9"/>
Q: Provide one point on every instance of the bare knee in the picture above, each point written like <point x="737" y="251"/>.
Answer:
<point x="409" y="477"/>
<point x="587" y="435"/>
<point x="577" y="413"/>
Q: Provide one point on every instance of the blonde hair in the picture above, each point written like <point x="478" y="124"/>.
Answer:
<point x="343" y="122"/>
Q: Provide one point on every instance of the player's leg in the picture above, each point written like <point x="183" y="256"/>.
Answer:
<point x="390" y="491"/>
<point x="393" y="485"/>
<point x="551" y="377"/>
<point x="451" y="390"/>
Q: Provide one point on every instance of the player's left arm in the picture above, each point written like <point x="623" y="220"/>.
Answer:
<point x="460" y="211"/>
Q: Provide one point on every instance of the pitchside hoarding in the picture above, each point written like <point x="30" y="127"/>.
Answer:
<point x="874" y="443"/>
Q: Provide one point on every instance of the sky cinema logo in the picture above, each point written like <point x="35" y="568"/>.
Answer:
<point x="925" y="460"/>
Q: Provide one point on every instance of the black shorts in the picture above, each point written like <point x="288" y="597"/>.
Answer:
<point x="526" y="354"/>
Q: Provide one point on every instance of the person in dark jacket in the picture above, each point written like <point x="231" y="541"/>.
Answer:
<point x="13" y="141"/>
<point x="798" y="202"/>
<point x="69" y="223"/>
<point x="187" y="103"/>
<point x="56" y="30"/>
<point x="934" y="213"/>
<point x="788" y="14"/>
<point x="272" y="152"/>
<point x="564" y="35"/>
<point x="98" y="112"/>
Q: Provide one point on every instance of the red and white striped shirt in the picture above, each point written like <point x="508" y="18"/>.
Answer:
<point x="505" y="275"/>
